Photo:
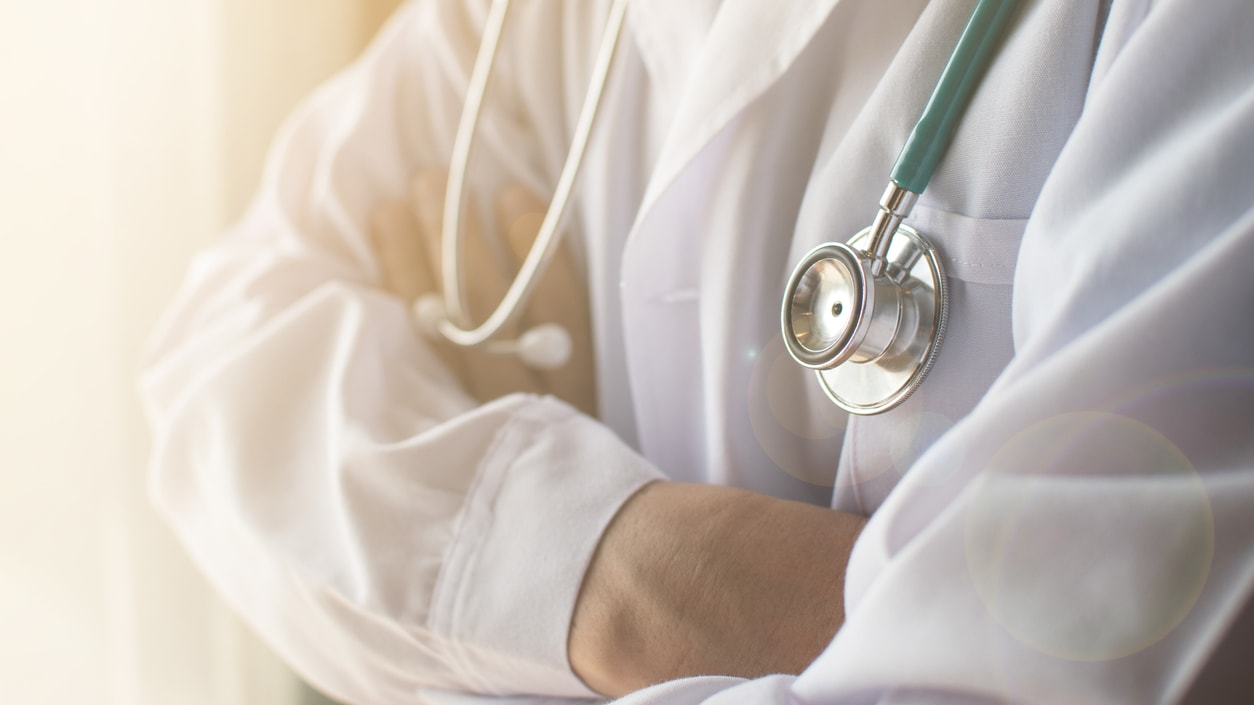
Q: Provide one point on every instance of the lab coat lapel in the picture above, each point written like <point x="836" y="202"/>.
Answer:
<point x="743" y="50"/>
<point x="729" y="72"/>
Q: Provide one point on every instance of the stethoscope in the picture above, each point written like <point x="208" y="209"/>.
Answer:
<point x="546" y="346"/>
<point x="867" y="315"/>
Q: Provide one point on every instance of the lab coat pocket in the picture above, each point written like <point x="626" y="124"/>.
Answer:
<point x="978" y="256"/>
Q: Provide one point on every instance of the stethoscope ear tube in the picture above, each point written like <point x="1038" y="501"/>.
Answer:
<point x="455" y="324"/>
<point x="544" y="347"/>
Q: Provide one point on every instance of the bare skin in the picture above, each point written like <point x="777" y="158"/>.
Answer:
<point x="707" y="580"/>
<point x="688" y="579"/>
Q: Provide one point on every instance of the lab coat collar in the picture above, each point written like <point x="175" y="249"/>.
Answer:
<point x="730" y="72"/>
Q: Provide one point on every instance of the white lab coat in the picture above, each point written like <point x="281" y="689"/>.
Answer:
<point x="1062" y="514"/>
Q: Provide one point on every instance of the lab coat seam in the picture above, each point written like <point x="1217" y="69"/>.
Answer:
<point x="980" y="265"/>
<point x="930" y="211"/>
<point x="987" y="249"/>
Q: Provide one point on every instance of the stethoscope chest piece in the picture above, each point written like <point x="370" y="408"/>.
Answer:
<point x="869" y="329"/>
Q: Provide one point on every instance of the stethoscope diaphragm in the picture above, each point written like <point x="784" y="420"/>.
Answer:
<point x="870" y="338"/>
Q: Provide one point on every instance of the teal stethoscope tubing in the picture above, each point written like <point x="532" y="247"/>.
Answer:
<point x="932" y="134"/>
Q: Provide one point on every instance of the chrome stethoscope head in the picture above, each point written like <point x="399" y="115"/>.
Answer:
<point x="868" y="324"/>
<point x="825" y="313"/>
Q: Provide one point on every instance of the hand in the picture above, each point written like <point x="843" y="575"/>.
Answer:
<point x="407" y="238"/>
<point x="705" y="580"/>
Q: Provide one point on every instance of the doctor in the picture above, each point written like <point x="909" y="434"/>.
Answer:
<point x="1060" y="514"/>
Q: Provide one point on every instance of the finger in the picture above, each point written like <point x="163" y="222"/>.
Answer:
<point x="398" y="245"/>
<point x="560" y="297"/>
<point x="486" y="375"/>
<point x="486" y="269"/>
<point x="398" y="241"/>
<point x="427" y="203"/>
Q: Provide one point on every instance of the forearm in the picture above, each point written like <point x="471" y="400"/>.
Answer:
<point x="701" y="580"/>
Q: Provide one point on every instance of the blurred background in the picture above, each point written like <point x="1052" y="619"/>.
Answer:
<point x="131" y="133"/>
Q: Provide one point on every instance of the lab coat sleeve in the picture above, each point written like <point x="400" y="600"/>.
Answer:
<point x="1086" y="534"/>
<point x="381" y="530"/>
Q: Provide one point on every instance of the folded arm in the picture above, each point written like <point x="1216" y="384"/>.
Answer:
<point x="704" y="580"/>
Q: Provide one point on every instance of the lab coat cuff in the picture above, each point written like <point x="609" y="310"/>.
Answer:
<point x="546" y="490"/>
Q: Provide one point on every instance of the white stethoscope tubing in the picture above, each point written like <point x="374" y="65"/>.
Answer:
<point x="455" y="325"/>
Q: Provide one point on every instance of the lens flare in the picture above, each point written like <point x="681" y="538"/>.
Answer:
<point x="796" y="427"/>
<point x="1089" y="537"/>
